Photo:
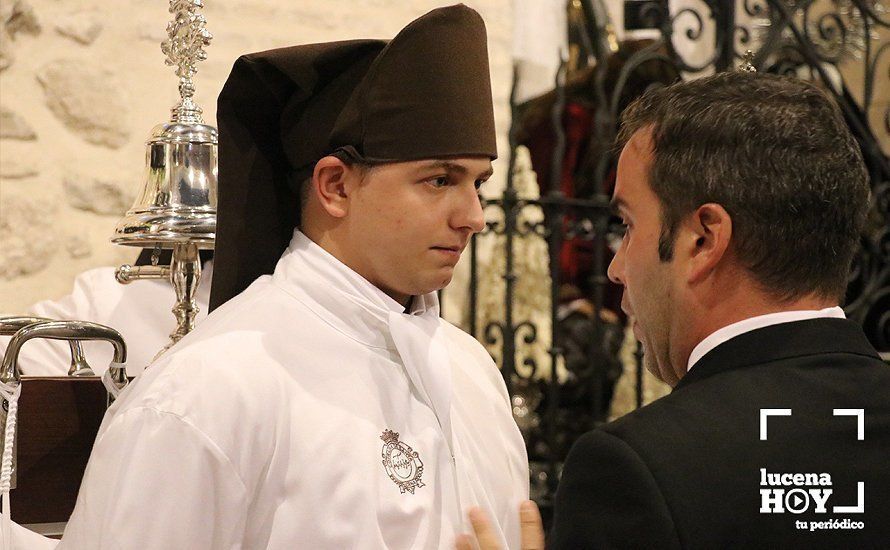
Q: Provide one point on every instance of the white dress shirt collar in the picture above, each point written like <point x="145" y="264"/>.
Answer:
<point x="746" y="325"/>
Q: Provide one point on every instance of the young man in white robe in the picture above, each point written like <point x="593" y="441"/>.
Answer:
<point x="324" y="403"/>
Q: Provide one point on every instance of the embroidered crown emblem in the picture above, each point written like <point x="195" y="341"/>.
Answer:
<point x="401" y="463"/>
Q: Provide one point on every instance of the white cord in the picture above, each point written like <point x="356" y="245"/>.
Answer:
<point x="11" y="394"/>
<point x="109" y="383"/>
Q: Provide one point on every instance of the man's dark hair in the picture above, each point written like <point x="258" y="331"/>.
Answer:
<point x="776" y="153"/>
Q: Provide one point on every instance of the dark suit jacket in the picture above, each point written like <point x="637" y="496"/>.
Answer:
<point x="685" y="471"/>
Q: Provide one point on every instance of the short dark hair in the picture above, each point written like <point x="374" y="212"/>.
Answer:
<point x="776" y="153"/>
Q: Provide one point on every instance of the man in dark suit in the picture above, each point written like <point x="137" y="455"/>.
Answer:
<point x="744" y="196"/>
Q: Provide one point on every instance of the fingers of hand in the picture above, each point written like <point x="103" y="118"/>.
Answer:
<point x="463" y="542"/>
<point x="530" y="526"/>
<point x="482" y="527"/>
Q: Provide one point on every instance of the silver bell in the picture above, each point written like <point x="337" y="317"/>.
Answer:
<point x="178" y="199"/>
<point x="177" y="206"/>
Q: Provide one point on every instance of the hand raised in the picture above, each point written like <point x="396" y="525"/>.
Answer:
<point x="530" y="525"/>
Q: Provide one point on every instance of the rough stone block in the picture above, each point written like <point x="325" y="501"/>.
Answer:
<point x="7" y="56"/>
<point x="18" y="163"/>
<point x="13" y="126"/>
<point x="98" y="194"/>
<point x="27" y="234"/>
<point x="87" y="99"/>
<point x="21" y="18"/>
<point x="81" y="27"/>
<point x="78" y="247"/>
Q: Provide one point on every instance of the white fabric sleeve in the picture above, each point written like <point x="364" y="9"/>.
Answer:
<point x="154" y="481"/>
<point x="77" y="305"/>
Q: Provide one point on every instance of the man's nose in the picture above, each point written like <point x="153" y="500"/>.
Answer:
<point x="616" y="267"/>
<point x="469" y="214"/>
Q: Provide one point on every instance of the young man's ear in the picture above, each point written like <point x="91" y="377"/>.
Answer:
<point x="330" y="185"/>
<point x="706" y="234"/>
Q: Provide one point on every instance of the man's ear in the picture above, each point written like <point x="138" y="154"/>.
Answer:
<point x="330" y="185"/>
<point x="706" y="234"/>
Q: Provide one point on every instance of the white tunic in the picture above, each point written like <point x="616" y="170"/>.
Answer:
<point x="140" y="311"/>
<point x="290" y="418"/>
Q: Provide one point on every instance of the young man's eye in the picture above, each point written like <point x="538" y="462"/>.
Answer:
<point x="479" y="183"/>
<point x="439" y="181"/>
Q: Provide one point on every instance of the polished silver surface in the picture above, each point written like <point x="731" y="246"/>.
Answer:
<point x="79" y="366"/>
<point x="185" y="274"/>
<point x="178" y="199"/>
<point x="176" y="208"/>
<point x="184" y="49"/>
<point x="177" y="202"/>
<point x="127" y="273"/>
<point x="64" y="330"/>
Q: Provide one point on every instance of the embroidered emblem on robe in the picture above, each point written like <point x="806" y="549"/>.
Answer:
<point x="401" y="462"/>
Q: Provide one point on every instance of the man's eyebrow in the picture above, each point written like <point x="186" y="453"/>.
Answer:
<point x="456" y="168"/>
<point x="486" y="174"/>
<point x="617" y="204"/>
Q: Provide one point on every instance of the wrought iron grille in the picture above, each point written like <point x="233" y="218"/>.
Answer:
<point x="832" y="41"/>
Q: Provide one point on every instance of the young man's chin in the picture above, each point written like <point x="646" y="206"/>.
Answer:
<point x="438" y="281"/>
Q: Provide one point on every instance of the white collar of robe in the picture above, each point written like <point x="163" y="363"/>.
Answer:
<point x="353" y="306"/>
<point x="340" y="296"/>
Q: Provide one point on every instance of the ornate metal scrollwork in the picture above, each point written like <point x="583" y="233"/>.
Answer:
<point x="561" y="394"/>
<point x="184" y="49"/>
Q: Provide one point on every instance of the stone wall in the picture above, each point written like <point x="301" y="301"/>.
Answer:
<point x="82" y="83"/>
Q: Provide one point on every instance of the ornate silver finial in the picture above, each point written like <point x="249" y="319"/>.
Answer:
<point x="747" y="65"/>
<point x="184" y="49"/>
<point x="177" y="206"/>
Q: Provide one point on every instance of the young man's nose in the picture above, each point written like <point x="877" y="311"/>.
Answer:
<point x="468" y="213"/>
<point x="616" y="267"/>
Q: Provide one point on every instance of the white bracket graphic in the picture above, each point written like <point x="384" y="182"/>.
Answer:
<point x="860" y="502"/>
<point x="764" y="413"/>
<point x="860" y="421"/>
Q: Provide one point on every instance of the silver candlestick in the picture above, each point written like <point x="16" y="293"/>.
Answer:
<point x="177" y="206"/>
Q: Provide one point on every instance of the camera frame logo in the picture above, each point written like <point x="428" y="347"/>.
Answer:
<point x="797" y="492"/>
